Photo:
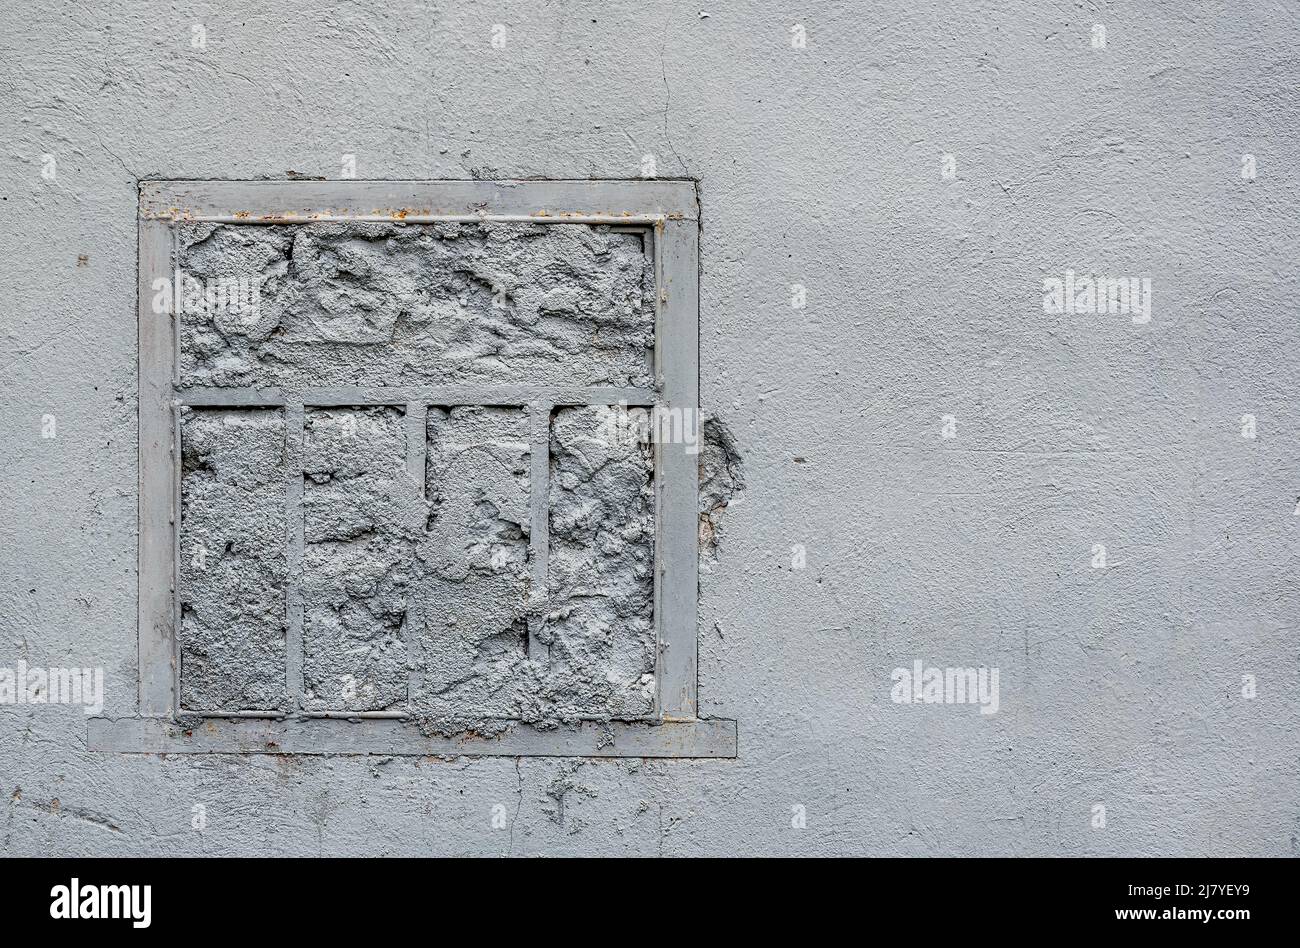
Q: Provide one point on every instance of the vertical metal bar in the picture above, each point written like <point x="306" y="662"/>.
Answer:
<point x="539" y="531"/>
<point x="177" y="465"/>
<point x="159" y="477"/>
<point x="177" y="459"/>
<point x="294" y="434"/>
<point x="677" y="468"/>
<point x="417" y="438"/>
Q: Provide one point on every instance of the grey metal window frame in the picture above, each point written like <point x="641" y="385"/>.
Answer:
<point x="668" y="210"/>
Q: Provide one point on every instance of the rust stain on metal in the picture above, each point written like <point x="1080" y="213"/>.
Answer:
<point x="175" y="213"/>
<point x="582" y="214"/>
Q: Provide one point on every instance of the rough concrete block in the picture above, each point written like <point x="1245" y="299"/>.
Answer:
<point x="600" y="575"/>
<point x="362" y="519"/>
<point x="380" y="303"/>
<point x="475" y="558"/>
<point x="233" y="568"/>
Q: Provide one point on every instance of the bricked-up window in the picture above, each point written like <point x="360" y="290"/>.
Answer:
<point x="418" y="470"/>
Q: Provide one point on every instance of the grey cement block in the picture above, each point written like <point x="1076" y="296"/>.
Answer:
<point x="473" y="634"/>
<point x="376" y="303"/>
<point x="601" y="570"/>
<point x="362" y="520"/>
<point x="233" y="560"/>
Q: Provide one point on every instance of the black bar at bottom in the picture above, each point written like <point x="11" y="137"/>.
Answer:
<point x="929" y="899"/>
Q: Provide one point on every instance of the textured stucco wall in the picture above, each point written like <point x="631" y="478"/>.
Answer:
<point x="820" y="166"/>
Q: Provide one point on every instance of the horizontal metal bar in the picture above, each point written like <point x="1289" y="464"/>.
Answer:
<point x="695" y="738"/>
<point x="400" y="394"/>
<point x="549" y="201"/>
<point x="320" y="217"/>
<point x="357" y="715"/>
<point x="285" y="716"/>
<point x="256" y="715"/>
